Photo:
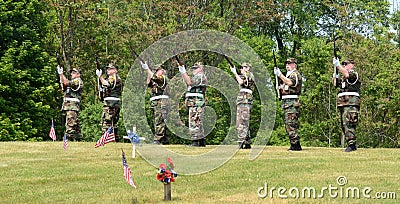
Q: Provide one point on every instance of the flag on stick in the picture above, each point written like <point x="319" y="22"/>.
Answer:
<point x="52" y="132"/>
<point x="127" y="171"/>
<point x="107" y="137"/>
<point x="65" y="142"/>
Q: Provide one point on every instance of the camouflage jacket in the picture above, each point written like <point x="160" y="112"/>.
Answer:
<point x="248" y="83"/>
<point x="198" y="86"/>
<point x="350" y="85"/>
<point x="113" y="88"/>
<point x="72" y="95"/>
<point x="297" y="82"/>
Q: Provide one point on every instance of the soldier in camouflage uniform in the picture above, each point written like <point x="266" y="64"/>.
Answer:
<point x="244" y="103"/>
<point x="195" y="101"/>
<point x="112" y="99"/>
<point x="158" y="100"/>
<point x="348" y="100"/>
<point x="71" y="105"/>
<point x="290" y="91"/>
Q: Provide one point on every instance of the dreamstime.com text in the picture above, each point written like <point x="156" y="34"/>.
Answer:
<point x="339" y="190"/>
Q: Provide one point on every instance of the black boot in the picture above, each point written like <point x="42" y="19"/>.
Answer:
<point x="202" y="142"/>
<point x="195" y="143"/>
<point x="350" y="148"/>
<point x="243" y="145"/>
<point x="295" y="147"/>
<point x="298" y="146"/>
<point x="292" y="147"/>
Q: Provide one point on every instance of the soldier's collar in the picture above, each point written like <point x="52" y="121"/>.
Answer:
<point x="289" y="73"/>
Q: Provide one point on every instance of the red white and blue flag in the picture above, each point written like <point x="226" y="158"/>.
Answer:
<point x="52" y="132"/>
<point x="65" y="145"/>
<point x="107" y="137"/>
<point x="127" y="171"/>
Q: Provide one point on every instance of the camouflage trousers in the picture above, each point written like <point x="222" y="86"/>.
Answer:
<point x="291" y="114"/>
<point x="110" y="118"/>
<point x="159" y="108"/>
<point x="72" y="127"/>
<point x="349" y="119"/>
<point x="242" y="123"/>
<point x="196" y="117"/>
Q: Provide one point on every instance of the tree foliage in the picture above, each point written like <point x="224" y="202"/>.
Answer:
<point x="35" y="33"/>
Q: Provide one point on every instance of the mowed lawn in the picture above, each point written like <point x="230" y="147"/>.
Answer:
<point x="42" y="172"/>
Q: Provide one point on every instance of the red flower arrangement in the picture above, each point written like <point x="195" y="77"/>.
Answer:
<point x="166" y="173"/>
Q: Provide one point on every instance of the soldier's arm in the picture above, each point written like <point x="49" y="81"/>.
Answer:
<point x="149" y="75"/>
<point x="103" y="81"/>
<point x="286" y="80"/>
<point x="186" y="78"/>
<point x="238" y="79"/>
<point x="343" y="71"/>
<point x="64" y="80"/>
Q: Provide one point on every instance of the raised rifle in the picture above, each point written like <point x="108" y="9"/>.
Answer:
<point x="178" y="60"/>
<point x="99" y="87"/>
<point x="229" y="61"/>
<point x="277" y="79"/>
<point x="137" y="55"/>
<point x="335" y="69"/>
<point x="59" y="63"/>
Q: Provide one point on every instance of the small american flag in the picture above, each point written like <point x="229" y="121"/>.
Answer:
<point x="127" y="171"/>
<point x="107" y="137"/>
<point x="52" y="132"/>
<point x="65" y="142"/>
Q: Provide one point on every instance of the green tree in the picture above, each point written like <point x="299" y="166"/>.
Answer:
<point x="28" y="81"/>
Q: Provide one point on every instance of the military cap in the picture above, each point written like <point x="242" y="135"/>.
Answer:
<point x="291" y="60"/>
<point x="197" y="65"/>
<point x="348" y="61"/>
<point x="111" y="66"/>
<point x="76" y="70"/>
<point x="245" y="64"/>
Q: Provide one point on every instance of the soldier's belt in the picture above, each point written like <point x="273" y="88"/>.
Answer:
<point x="72" y="99"/>
<point x="112" y="99"/>
<point x="289" y="96"/>
<point x="348" y="94"/>
<point x="158" y="97"/>
<point x="194" y="95"/>
<point x="246" y="90"/>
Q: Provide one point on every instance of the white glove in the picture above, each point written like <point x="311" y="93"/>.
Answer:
<point x="59" y="70"/>
<point x="233" y="70"/>
<point x="144" y="65"/>
<point x="182" y="69"/>
<point x="335" y="62"/>
<point x="99" y="72"/>
<point x="277" y="72"/>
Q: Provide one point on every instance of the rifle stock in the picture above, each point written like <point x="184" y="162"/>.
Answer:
<point x="277" y="80"/>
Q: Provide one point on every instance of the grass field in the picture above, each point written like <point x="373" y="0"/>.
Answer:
<point x="42" y="172"/>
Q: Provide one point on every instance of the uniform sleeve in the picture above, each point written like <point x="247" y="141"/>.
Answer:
<point x="353" y="77"/>
<point x="294" y="77"/>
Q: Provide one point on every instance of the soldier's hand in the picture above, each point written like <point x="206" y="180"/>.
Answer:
<point x="233" y="70"/>
<point x="182" y="69"/>
<point x="60" y="70"/>
<point x="277" y="71"/>
<point x="99" y="72"/>
<point x="144" y="65"/>
<point x="335" y="61"/>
